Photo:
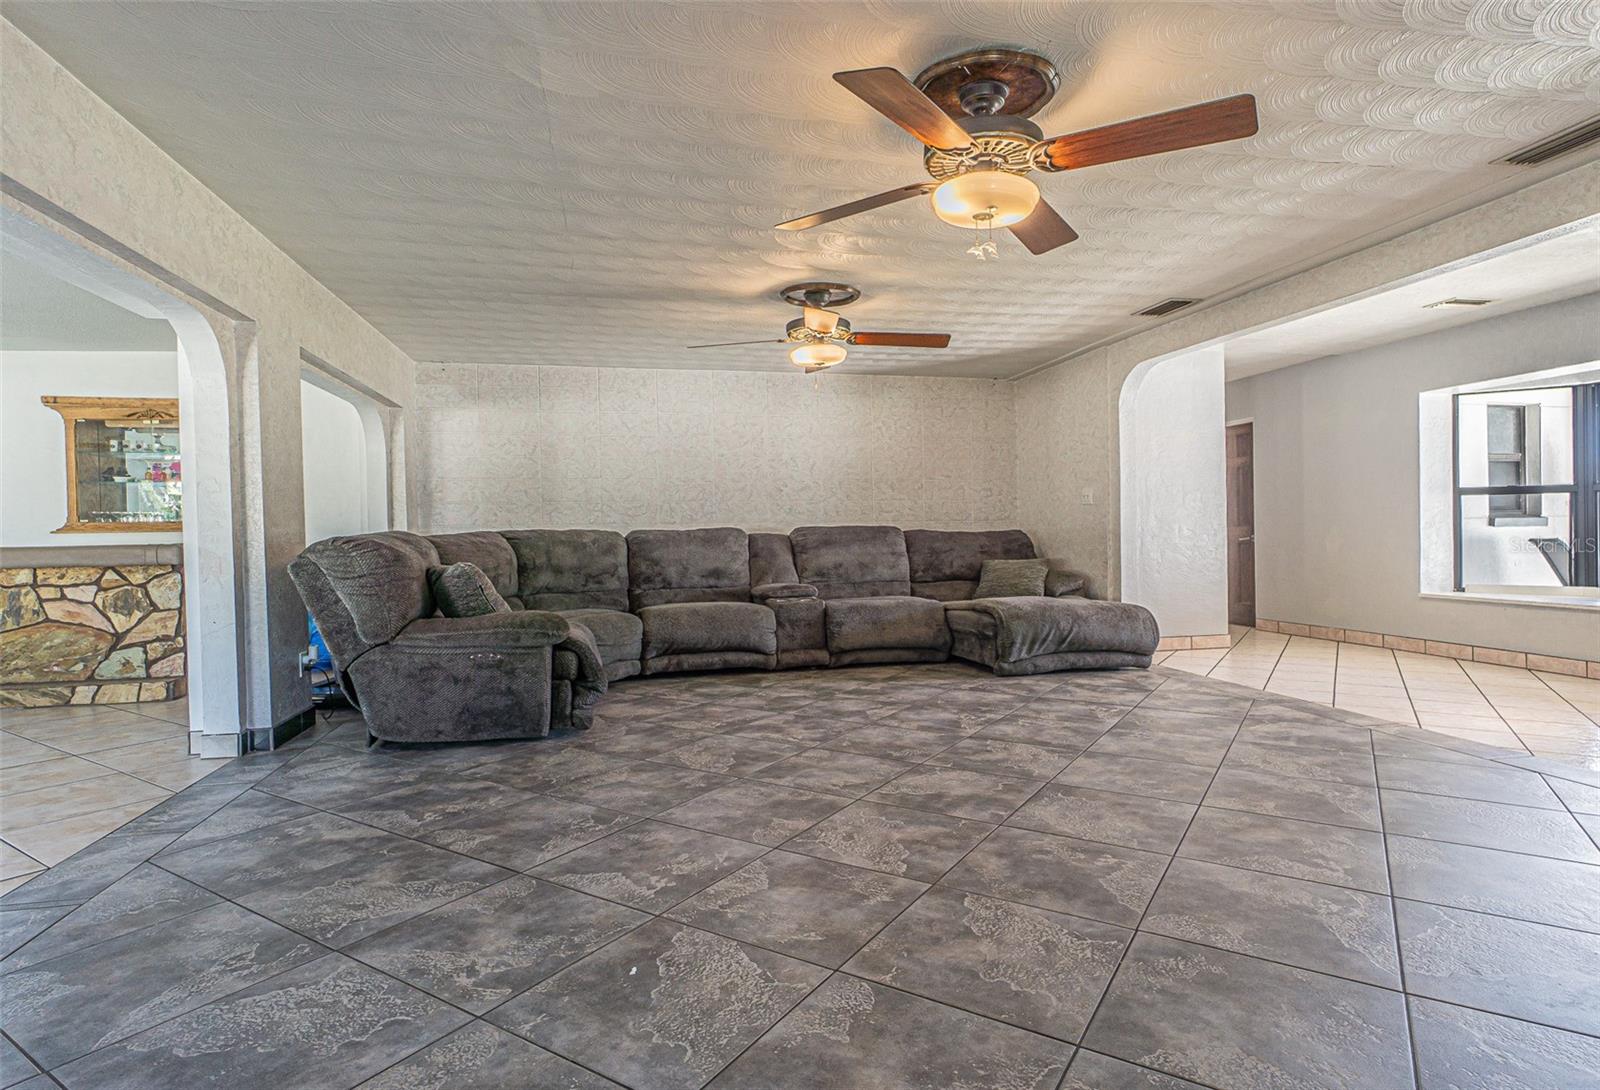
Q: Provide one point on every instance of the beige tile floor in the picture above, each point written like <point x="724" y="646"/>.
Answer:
<point x="68" y="776"/>
<point x="1548" y="715"/>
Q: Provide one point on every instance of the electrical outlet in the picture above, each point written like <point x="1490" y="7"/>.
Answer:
<point x="1086" y="497"/>
<point x="305" y="662"/>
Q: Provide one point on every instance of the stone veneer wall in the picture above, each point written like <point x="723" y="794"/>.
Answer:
<point x="91" y="635"/>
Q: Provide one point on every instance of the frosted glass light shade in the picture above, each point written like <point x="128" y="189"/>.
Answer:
<point x="825" y="354"/>
<point x="961" y="200"/>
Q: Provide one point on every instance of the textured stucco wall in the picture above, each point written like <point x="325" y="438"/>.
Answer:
<point x="1337" y="481"/>
<point x="622" y="448"/>
<point x="66" y="147"/>
<point x="1174" y="493"/>
<point x="1060" y="415"/>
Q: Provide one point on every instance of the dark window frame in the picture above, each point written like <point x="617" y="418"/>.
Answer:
<point x="1583" y="491"/>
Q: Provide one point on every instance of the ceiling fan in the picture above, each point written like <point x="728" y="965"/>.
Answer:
<point x="820" y="335"/>
<point x="972" y="113"/>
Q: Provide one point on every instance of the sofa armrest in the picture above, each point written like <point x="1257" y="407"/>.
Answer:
<point x="1062" y="582"/>
<point x="778" y="591"/>
<point x="529" y="628"/>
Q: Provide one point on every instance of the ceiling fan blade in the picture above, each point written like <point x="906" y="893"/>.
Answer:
<point x="821" y="321"/>
<point x="814" y="368"/>
<point x="1043" y="230"/>
<point x="897" y="98"/>
<point x="730" y="344"/>
<point x="902" y="340"/>
<point x="1208" y="123"/>
<point x="865" y="204"/>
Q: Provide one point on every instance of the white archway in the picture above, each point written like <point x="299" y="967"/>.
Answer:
<point x="212" y="545"/>
<point x="1171" y="416"/>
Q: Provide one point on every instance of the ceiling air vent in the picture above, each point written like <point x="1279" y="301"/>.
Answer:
<point x="1571" y="139"/>
<point x="1166" y="306"/>
<point x="1458" y="303"/>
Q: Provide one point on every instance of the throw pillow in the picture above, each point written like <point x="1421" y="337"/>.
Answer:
<point x="1012" y="578"/>
<point x="463" y="590"/>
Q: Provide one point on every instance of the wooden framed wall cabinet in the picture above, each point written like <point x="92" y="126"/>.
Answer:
<point x="124" y="465"/>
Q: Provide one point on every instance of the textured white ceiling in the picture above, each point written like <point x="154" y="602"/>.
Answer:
<point x="595" y="183"/>
<point x="1562" y="266"/>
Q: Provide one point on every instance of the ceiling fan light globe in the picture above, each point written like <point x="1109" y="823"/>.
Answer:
<point x="985" y="198"/>
<point x="817" y="355"/>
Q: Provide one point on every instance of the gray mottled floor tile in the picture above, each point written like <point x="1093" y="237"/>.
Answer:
<point x="853" y="1033"/>
<point x="1488" y="825"/>
<point x="1138" y="776"/>
<point x="1351" y="767"/>
<point x="650" y="866"/>
<point x="1314" y="733"/>
<point x="76" y="879"/>
<point x="959" y="792"/>
<point x="933" y="716"/>
<point x="484" y="1057"/>
<point x="1580" y="798"/>
<point x="763" y="813"/>
<point x="1003" y="758"/>
<point x="250" y="811"/>
<point x="1528" y="887"/>
<point x="14" y="1066"/>
<point x="833" y="771"/>
<point x="1155" y="744"/>
<point x="642" y="789"/>
<point x="1511" y="967"/>
<point x="1052" y="733"/>
<point x="1040" y="970"/>
<point x="1227" y="1020"/>
<point x="911" y="843"/>
<point x="1487" y="782"/>
<point x="1100" y="881"/>
<point x="184" y="810"/>
<point x="894" y="742"/>
<point x="1283" y="796"/>
<point x="1092" y="1071"/>
<point x="524" y="833"/>
<point x="325" y="779"/>
<point x="634" y="739"/>
<point x="490" y="945"/>
<point x="146" y="895"/>
<point x="1328" y="929"/>
<point x="91" y="997"/>
<point x="541" y="768"/>
<point x="808" y="908"/>
<point x="328" y="1023"/>
<point x="21" y="925"/>
<point x="728" y="754"/>
<point x="667" y="1006"/>
<point x="1132" y="821"/>
<point x="793" y="728"/>
<point x="1297" y="849"/>
<point x="1460" y="1049"/>
<point x="419" y="808"/>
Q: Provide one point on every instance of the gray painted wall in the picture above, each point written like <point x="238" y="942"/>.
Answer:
<point x="1337" y="481"/>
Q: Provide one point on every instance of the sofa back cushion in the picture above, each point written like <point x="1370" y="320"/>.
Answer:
<point x="570" y="569"/>
<point x="852" y="561"/>
<point x="489" y="551"/>
<point x="946" y="564"/>
<point x="771" y="560"/>
<point x="665" y="566"/>
<point x="380" y="579"/>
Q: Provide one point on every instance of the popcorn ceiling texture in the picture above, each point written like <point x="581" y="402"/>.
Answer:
<point x="597" y="182"/>
<point x="619" y="448"/>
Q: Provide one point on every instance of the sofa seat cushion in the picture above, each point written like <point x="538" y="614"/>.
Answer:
<point x="681" y="628"/>
<point x="618" y="636"/>
<point x="869" y="624"/>
<point x="1025" y="628"/>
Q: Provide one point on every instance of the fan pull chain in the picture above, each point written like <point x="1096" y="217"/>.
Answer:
<point x="984" y="249"/>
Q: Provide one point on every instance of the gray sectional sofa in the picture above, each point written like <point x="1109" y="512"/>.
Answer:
<point x="589" y="607"/>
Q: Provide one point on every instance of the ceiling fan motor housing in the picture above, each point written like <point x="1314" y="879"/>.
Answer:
<point x="998" y="143"/>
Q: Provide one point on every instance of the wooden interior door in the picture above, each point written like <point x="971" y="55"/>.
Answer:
<point x="1241" y="525"/>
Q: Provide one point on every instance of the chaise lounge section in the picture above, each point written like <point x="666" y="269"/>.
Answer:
<point x="583" y="608"/>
